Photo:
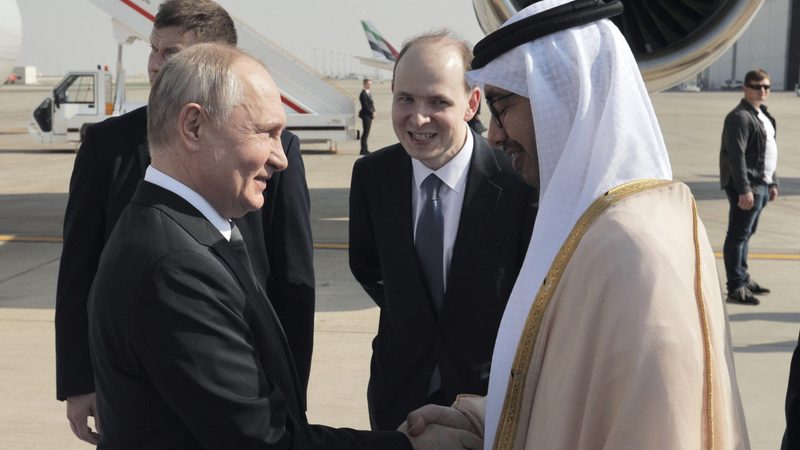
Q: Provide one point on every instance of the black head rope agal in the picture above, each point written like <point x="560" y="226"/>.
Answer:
<point x="579" y="12"/>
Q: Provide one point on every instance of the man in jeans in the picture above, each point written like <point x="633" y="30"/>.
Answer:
<point x="747" y="161"/>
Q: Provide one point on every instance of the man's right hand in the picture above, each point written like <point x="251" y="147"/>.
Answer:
<point x="79" y="408"/>
<point x="440" y="437"/>
<point x="746" y="201"/>
<point x="434" y="427"/>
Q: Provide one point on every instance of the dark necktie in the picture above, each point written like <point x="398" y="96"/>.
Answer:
<point x="237" y="243"/>
<point x="429" y="241"/>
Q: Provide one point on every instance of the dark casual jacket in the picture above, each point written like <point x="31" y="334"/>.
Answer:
<point x="744" y="145"/>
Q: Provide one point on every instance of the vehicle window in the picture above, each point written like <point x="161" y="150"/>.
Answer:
<point x="81" y="90"/>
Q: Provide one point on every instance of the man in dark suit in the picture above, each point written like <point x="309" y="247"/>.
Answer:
<point x="367" y="113"/>
<point x="438" y="261"/>
<point x="187" y="350"/>
<point x="111" y="162"/>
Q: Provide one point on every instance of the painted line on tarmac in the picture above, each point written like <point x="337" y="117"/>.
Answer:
<point x="772" y="256"/>
<point x="15" y="238"/>
<point x="345" y="246"/>
<point x="331" y="245"/>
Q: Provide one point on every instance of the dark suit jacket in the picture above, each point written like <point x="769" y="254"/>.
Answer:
<point x="108" y="167"/>
<point x="491" y="242"/>
<point x="791" y="437"/>
<point x="367" y="105"/>
<point x="187" y="350"/>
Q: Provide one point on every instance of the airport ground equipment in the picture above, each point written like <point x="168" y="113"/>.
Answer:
<point x="78" y="100"/>
<point x="316" y="110"/>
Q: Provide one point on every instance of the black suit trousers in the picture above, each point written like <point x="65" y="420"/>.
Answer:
<point x="366" y="121"/>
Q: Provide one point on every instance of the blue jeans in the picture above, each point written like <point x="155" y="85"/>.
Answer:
<point x="741" y="226"/>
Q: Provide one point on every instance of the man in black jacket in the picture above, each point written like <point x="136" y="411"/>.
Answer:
<point x="747" y="161"/>
<point x="111" y="162"/>
<point x="187" y="350"/>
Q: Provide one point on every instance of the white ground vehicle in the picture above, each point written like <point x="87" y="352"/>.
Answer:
<point x="316" y="111"/>
<point x="79" y="100"/>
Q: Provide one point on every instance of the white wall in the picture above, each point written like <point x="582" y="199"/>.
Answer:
<point x="763" y="45"/>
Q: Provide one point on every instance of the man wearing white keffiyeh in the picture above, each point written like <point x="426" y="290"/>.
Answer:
<point x="615" y="335"/>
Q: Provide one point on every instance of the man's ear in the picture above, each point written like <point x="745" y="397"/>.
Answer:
<point x="473" y="102"/>
<point x="190" y="121"/>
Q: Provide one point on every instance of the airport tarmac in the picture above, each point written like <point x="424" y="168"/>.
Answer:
<point x="34" y="181"/>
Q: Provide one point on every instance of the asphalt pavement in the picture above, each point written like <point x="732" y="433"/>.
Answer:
<point x="34" y="181"/>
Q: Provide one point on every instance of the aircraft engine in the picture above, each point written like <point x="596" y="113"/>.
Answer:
<point x="671" y="40"/>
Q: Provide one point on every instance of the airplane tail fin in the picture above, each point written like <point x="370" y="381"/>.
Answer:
<point x="379" y="45"/>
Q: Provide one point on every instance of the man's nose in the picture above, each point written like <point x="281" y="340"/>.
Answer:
<point x="496" y="135"/>
<point x="421" y="116"/>
<point x="152" y="69"/>
<point x="277" y="158"/>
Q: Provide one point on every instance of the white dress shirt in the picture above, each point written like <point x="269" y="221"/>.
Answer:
<point x="159" y="178"/>
<point x="451" y="195"/>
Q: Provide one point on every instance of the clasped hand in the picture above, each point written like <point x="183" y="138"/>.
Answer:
<point x="439" y="427"/>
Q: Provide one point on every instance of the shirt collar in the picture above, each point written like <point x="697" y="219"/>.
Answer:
<point x="165" y="181"/>
<point x="453" y="173"/>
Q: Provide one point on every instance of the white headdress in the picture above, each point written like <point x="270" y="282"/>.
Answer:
<point x="595" y="129"/>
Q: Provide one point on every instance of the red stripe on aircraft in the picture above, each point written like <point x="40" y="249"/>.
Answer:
<point x="139" y="9"/>
<point x="293" y="105"/>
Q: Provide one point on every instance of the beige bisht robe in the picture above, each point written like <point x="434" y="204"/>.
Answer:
<point x="627" y="343"/>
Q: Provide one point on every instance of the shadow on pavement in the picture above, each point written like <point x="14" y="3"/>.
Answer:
<point x="770" y="347"/>
<point x="710" y="190"/>
<point x="786" y="317"/>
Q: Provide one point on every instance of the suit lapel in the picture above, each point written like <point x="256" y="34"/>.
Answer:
<point x="191" y="220"/>
<point x="397" y="216"/>
<point x="396" y="205"/>
<point x="481" y="198"/>
<point x="481" y="189"/>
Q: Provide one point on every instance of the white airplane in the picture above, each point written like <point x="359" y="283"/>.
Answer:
<point x="385" y="53"/>
<point x="10" y="37"/>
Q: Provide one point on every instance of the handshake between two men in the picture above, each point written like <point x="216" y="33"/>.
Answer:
<point x="440" y="427"/>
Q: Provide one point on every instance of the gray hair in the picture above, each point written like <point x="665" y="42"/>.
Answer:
<point x="199" y="74"/>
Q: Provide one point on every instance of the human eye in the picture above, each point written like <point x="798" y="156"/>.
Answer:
<point x="402" y="98"/>
<point x="170" y="52"/>
<point x="439" y="102"/>
<point x="501" y="112"/>
<point x="275" y="132"/>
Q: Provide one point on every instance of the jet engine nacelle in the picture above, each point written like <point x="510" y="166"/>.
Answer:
<point x="671" y="40"/>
